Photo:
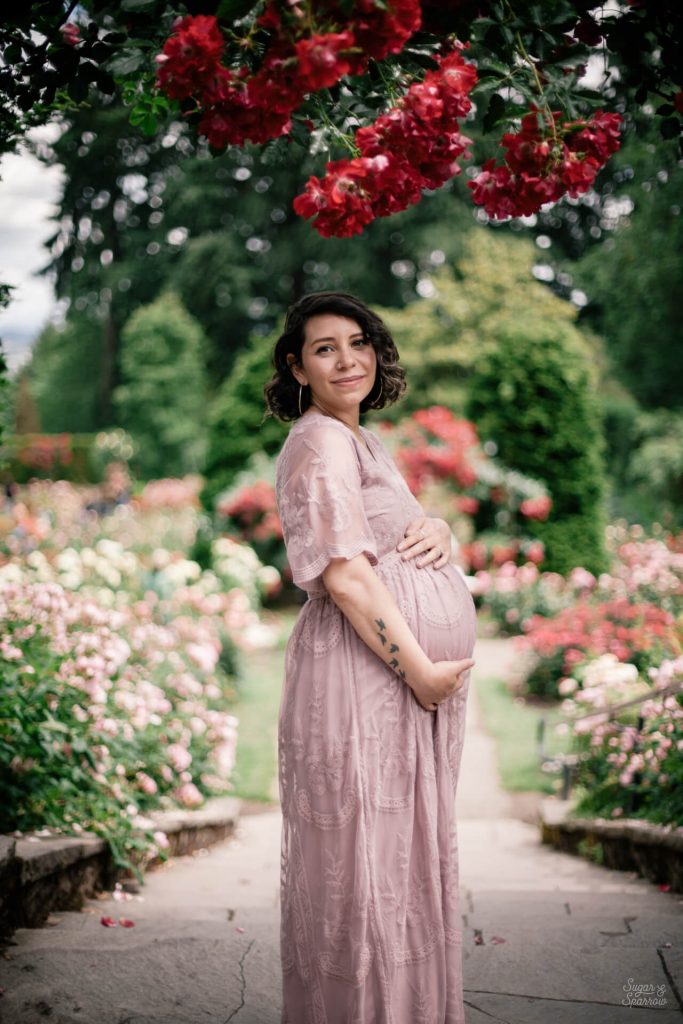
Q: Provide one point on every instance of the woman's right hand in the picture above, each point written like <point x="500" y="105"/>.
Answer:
<point x="441" y="680"/>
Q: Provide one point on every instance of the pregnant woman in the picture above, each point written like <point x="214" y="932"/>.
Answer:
<point x="372" y="716"/>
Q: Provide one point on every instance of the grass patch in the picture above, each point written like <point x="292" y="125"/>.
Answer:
<point x="257" y="706"/>
<point x="513" y="725"/>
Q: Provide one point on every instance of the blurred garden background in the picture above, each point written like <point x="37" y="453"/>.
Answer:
<point x="144" y="591"/>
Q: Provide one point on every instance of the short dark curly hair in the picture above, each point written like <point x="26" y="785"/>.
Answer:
<point x="282" y="391"/>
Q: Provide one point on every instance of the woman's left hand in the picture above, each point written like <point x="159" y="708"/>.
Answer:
<point x="428" y="537"/>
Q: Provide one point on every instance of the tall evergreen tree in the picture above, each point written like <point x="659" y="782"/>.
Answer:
<point x="162" y="399"/>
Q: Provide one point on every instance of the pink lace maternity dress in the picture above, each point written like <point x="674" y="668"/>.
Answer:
<point x="371" y="930"/>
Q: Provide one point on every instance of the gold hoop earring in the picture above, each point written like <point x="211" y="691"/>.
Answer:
<point x="301" y="387"/>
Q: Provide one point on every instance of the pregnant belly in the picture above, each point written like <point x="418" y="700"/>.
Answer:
<point x="435" y="603"/>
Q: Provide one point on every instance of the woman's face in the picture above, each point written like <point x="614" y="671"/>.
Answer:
<point x="334" y="348"/>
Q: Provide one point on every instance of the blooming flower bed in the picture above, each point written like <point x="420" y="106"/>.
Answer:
<point x="642" y="568"/>
<point x="631" y="759"/>
<point x="600" y="643"/>
<point x="511" y="595"/>
<point x="638" y="632"/>
<point x="634" y="612"/>
<point x="117" y="652"/>
<point x="106" y="714"/>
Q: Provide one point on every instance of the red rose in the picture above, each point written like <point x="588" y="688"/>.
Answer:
<point x="320" y="63"/>
<point x="190" y="56"/>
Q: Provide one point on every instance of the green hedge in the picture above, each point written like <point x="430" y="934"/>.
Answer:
<point x="534" y="396"/>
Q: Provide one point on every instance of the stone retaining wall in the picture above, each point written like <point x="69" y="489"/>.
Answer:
<point x="631" y="844"/>
<point x="42" y="872"/>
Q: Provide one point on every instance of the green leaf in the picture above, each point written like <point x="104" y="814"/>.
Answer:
<point x="489" y="64"/>
<point x="126" y="63"/>
<point x="141" y="6"/>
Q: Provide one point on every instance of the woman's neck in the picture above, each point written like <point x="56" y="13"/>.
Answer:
<point x="354" y="426"/>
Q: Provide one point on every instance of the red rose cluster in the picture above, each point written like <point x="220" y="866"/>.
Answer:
<point x="544" y="163"/>
<point x="415" y="145"/>
<point x="240" y="106"/>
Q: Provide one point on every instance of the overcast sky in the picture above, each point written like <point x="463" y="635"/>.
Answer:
<point x="28" y="193"/>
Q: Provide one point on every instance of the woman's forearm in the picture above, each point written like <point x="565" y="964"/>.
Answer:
<point x="371" y="609"/>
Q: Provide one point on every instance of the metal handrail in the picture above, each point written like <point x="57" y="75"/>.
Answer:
<point x="569" y="762"/>
<point x="652" y="695"/>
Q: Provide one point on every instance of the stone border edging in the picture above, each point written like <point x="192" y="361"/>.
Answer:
<point x="628" y="844"/>
<point x="42" y="873"/>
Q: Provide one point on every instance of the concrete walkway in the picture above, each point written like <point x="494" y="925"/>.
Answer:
<point x="577" y="937"/>
<point x="548" y="937"/>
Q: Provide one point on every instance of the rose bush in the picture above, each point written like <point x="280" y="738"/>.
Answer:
<point x="119" y="657"/>
<point x="106" y="714"/>
<point x="511" y="586"/>
<point x="414" y="145"/>
<point x="546" y="159"/>
<point x="631" y="763"/>
<point x="634" y="612"/>
<point x="638" y="632"/>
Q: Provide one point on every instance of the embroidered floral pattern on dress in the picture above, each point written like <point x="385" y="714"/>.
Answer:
<point x="330" y="819"/>
<point x="371" y="928"/>
<point x="321" y="642"/>
<point x="328" y="965"/>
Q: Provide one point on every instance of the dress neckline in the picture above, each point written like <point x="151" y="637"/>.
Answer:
<point x="366" y="433"/>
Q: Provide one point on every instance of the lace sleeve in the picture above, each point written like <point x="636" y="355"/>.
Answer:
<point x="320" y="504"/>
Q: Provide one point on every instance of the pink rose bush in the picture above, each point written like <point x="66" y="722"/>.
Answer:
<point x="646" y="571"/>
<point x="117" y="654"/>
<point x="632" y="759"/>
<point x="511" y="594"/>
<point x="634" y="612"/>
<point x="142" y="551"/>
<point x="597" y="642"/>
<point x="105" y="715"/>
<point x="631" y="630"/>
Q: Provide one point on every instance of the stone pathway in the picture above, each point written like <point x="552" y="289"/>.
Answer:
<point x="577" y="937"/>
<point x="205" y="946"/>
